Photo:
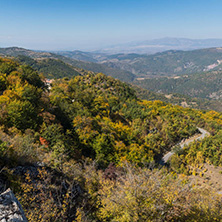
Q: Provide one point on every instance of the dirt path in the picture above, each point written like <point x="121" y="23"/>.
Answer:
<point x="183" y="143"/>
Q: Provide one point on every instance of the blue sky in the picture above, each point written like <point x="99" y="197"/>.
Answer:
<point x="88" y="24"/>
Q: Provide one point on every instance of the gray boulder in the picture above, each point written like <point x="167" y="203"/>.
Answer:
<point x="10" y="208"/>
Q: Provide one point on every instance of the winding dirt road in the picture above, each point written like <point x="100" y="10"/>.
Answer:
<point x="204" y="134"/>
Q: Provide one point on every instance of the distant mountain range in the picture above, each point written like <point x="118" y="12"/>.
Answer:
<point x="128" y="67"/>
<point x="205" y="85"/>
<point x="196" y="73"/>
<point x="160" y="45"/>
<point x="168" y="63"/>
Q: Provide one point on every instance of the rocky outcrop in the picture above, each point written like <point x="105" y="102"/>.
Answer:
<point x="10" y="208"/>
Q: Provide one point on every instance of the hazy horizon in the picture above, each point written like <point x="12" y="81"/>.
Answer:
<point x="90" y="25"/>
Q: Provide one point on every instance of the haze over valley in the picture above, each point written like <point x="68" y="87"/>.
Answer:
<point x="110" y="111"/>
<point x="160" y="45"/>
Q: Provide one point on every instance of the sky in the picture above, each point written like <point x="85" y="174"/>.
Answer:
<point x="93" y="24"/>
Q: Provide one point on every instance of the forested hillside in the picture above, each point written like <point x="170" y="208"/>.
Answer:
<point x="46" y="65"/>
<point x="51" y="68"/>
<point x="167" y="63"/>
<point x="202" y="85"/>
<point x="127" y="67"/>
<point x="54" y="68"/>
<point x="179" y="99"/>
<point x="79" y="150"/>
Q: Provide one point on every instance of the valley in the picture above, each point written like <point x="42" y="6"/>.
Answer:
<point x="110" y="111"/>
<point x="91" y="138"/>
<point x="52" y="57"/>
<point x="167" y="63"/>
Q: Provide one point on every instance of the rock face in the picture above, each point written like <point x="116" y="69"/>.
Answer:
<point x="10" y="208"/>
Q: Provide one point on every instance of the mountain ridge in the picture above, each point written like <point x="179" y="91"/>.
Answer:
<point x="90" y="66"/>
<point x="167" y="63"/>
<point x="161" y="44"/>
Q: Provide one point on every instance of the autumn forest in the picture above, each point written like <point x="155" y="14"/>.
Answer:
<point x="86" y="148"/>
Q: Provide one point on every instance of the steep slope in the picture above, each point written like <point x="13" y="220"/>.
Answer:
<point x="81" y="149"/>
<point x="93" y="113"/>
